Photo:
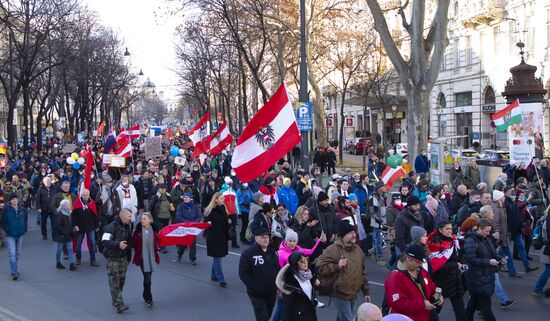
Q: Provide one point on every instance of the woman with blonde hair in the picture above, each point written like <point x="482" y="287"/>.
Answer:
<point x="304" y="227"/>
<point x="146" y="245"/>
<point x="217" y="235"/>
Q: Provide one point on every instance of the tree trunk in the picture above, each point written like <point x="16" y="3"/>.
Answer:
<point x="418" y="104"/>
<point x="318" y="112"/>
<point x="39" y="131"/>
<point x="341" y="137"/>
<point x="26" y="107"/>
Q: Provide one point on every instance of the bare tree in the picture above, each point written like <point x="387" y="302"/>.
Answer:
<point x="419" y="72"/>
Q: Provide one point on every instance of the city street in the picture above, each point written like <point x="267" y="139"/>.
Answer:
<point x="45" y="293"/>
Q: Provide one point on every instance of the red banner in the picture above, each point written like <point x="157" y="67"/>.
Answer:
<point x="181" y="233"/>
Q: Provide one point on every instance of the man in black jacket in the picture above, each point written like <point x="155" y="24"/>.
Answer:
<point x="324" y="214"/>
<point x="145" y="190"/>
<point x="410" y="217"/>
<point x="258" y="269"/>
<point x="44" y="197"/>
<point x="116" y="244"/>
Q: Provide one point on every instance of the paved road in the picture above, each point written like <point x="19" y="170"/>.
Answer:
<point x="44" y="293"/>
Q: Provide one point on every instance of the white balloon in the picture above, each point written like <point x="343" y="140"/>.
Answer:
<point x="70" y="160"/>
<point x="81" y="161"/>
<point x="182" y="151"/>
<point x="55" y="145"/>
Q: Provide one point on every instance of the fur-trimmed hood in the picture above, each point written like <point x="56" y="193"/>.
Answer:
<point x="280" y="280"/>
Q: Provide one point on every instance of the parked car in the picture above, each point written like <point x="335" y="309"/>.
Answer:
<point x="491" y="157"/>
<point x="401" y="149"/>
<point x="351" y="145"/>
<point x="356" y="147"/>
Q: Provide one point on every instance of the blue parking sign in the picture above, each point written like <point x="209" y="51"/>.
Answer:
<point x="304" y="117"/>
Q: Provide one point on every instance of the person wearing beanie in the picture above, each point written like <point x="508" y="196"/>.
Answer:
<point x="409" y="217"/>
<point x="417" y="233"/>
<point x="429" y="213"/>
<point x="269" y="191"/>
<point x="346" y="259"/>
<point x="288" y="196"/>
<point x="188" y="211"/>
<point x="324" y="213"/>
<point x="290" y="245"/>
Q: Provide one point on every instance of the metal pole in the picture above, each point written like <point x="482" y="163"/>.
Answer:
<point x="303" y="96"/>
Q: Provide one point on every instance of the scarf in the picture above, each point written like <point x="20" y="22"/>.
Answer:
<point x="304" y="275"/>
<point x="147" y="249"/>
<point x="188" y="205"/>
<point x="398" y="206"/>
<point x="441" y="249"/>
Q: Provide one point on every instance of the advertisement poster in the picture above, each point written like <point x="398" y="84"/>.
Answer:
<point x="437" y="164"/>
<point x="525" y="138"/>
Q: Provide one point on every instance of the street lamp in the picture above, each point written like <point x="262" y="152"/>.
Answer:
<point x="126" y="52"/>
<point x="140" y="72"/>
<point x="394" y="103"/>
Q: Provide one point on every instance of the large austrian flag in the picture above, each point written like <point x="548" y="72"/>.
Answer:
<point x="201" y="129"/>
<point x="507" y="117"/>
<point x="219" y="140"/>
<point x="390" y="175"/>
<point x="181" y="233"/>
<point x="269" y="135"/>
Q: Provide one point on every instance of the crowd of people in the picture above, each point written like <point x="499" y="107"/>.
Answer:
<point x="302" y="237"/>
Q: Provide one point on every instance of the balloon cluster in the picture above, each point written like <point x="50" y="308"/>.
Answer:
<point x="77" y="161"/>
<point x="175" y="151"/>
<point x="394" y="161"/>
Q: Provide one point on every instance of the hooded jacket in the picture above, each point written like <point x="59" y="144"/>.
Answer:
<point x="289" y="198"/>
<point x="480" y="276"/>
<point x="352" y="278"/>
<point x="284" y="252"/>
<point x="403" y="224"/>
<point x="297" y="305"/>
<point x="14" y="221"/>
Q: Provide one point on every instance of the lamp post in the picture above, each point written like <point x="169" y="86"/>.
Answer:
<point x="303" y="96"/>
<point x="394" y="104"/>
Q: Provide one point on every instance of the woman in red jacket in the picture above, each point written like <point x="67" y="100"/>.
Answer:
<point x="145" y="244"/>
<point x="409" y="289"/>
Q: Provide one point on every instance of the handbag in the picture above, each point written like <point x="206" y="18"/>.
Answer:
<point x="231" y="232"/>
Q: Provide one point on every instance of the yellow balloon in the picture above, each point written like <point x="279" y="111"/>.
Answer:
<point x="74" y="156"/>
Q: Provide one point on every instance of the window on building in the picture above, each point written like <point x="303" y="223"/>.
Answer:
<point x="496" y="40"/>
<point x="489" y="96"/>
<point x="482" y="42"/>
<point x="456" y="47"/>
<point x="463" y="99"/>
<point x="512" y="37"/>
<point x="469" y="58"/>
<point x="529" y="36"/>
<point x="442" y="101"/>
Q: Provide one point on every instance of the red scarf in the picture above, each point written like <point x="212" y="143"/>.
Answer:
<point x="398" y="206"/>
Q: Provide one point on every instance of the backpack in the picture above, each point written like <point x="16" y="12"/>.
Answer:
<point x="539" y="233"/>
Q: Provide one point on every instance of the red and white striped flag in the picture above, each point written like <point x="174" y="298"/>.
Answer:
<point x="201" y="129"/>
<point x="390" y="175"/>
<point x="133" y="132"/>
<point x="215" y="143"/>
<point x="181" y="233"/>
<point x="269" y="135"/>
<point x="124" y="147"/>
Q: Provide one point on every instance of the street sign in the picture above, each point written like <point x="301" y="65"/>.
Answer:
<point x="304" y="117"/>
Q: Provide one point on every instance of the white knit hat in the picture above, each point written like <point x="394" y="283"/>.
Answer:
<point x="290" y="235"/>
<point x="497" y="195"/>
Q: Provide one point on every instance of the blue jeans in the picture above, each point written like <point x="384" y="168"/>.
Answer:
<point x="345" y="310"/>
<point x="543" y="278"/>
<point x="79" y="237"/>
<point x="502" y="296"/>
<point x="518" y="241"/>
<point x="278" y="310"/>
<point x="377" y="242"/>
<point x="59" y="250"/>
<point x="217" y="272"/>
<point x="14" y="251"/>
<point x="505" y="251"/>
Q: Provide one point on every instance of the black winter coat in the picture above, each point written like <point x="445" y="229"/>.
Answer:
<point x="457" y="201"/>
<point x="85" y="219"/>
<point x="448" y="277"/>
<point x="218" y="234"/>
<point x="512" y="219"/>
<point x="296" y="304"/>
<point x="113" y="234"/>
<point x="480" y="276"/>
<point x="326" y="217"/>
<point x="44" y="198"/>
<point x="403" y="224"/>
<point x="258" y="270"/>
<point x="144" y="191"/>
<point x="63" y="228"/>
<point x="305" y="233"/>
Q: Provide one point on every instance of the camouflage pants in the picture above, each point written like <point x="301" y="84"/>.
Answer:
<point x="116" y="270"/>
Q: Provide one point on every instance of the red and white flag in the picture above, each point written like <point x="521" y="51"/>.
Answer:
<point x="215" y="143"/>
<point x="390" y="175"/>
<point x="123" y="147"/>
<point x="133" y="132"/>
<point x="201" y="129"/>
<point x="269" y="135"/>
<point x="181" y="233"/>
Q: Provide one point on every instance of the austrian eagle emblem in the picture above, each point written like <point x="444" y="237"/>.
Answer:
<point x="265" y="137"/>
